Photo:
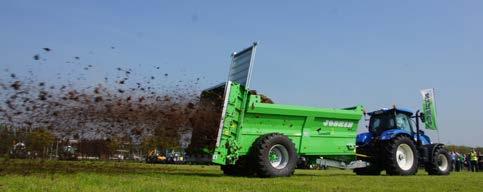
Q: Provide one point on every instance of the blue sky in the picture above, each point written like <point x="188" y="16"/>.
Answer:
<point x="313" y="53"/>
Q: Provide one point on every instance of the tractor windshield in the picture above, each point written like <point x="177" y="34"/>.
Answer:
<point x="380" y="123"/>
<point x="402" y="121"/>
<point x="383" y="122"/>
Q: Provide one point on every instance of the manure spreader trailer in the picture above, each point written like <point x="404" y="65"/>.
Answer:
<point x="247" y="135"/>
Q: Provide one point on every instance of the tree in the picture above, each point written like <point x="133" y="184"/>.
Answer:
<point x="149" y="143"/>
<point x="39" y="141"/>
<point x="462" y="148"/>
<point x="6" y="140"/>
<point x="94" y="148"/>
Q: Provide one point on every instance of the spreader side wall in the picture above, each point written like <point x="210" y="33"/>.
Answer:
<point x="314" y="131"/>
<point x="257" y="124"/>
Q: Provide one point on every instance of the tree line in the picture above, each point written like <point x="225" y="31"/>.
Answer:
<point x="42" y="143"/>
<point x="462" y="149"/>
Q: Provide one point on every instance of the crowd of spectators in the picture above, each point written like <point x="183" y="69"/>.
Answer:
<point x="469" y="161"/>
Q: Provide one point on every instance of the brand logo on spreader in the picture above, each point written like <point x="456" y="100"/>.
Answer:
<point x="333" y="123"/>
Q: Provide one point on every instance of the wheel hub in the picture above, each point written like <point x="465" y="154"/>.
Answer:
<point x="404" y="157"/>
<point x="401" y="157"/>
<point x="442" y="162"/>
<point x="278" y="156"/>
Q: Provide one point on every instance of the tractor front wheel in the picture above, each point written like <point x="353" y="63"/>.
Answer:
<point x="401" y="157"/>
<point x="440" y="162"/>
<point x="274" y="155"/>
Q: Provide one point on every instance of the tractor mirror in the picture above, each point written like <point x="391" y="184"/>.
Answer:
<point x="421" y="115"/>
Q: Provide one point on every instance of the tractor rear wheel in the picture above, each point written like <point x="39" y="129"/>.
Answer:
<point x="374" y="167"/>
<point x="370" y="170"/>
<point x="439" y="163"/>
<point x="401" y="156"/>
<point x="274" y="155"/>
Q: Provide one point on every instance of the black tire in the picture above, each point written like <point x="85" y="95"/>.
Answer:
<point x="241" y="168"/>
<point x="439" y="162"/>
<point x="228" y="170"/>
<point x="273" y="144"/>
<point x="367" y="171"/>
<point x="408" y="164"/>
<point x="374" y="167"/>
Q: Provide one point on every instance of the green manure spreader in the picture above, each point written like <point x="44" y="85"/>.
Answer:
<point x="247" y="135"/>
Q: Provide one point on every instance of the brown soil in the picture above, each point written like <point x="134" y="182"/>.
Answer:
<point x="101" y="111"/>
<point x="206" y="120"/>
<point x="113" y="108"/>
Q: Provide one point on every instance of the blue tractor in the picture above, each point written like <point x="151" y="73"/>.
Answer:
<point x="395" y="143"/>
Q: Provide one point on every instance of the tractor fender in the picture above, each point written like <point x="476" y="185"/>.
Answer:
<point x="424" y="139"/>
<point x="389" y="134"/>
<point x="432" y="147"/>
<point x="363" y="138"/>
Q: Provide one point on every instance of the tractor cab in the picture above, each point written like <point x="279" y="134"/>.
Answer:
<point x="68" y="153"/>
<point x="387" y="123"/>
<point x="384" y="120"/>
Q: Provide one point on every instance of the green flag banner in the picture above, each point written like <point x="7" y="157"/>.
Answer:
<point x="429" y="109"/>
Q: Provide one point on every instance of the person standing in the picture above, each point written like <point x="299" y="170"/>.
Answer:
<point x="453" y="160"/>
<point x="457" y="162"/>
<point x="461" y="158"/>
<point x="474" y="161"/>
<point x="468" y="161"/>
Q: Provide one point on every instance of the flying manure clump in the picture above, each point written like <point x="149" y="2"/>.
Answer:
<point x="103" y="111"/>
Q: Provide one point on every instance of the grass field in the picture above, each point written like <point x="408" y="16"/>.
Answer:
<point x="29" y="175"/>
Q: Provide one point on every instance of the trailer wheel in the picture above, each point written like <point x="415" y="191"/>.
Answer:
<point x="440" y="162"/>
<point x="401" y="156"/>
<point x="228" y="170"/>
<point x="241" y="168"/>
<point x="274" y="155"/>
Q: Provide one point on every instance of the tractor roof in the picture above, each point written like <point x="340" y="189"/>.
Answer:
<point x="385" y="110"/>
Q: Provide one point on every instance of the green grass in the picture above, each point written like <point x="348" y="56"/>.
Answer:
<point x="27" y="175"/>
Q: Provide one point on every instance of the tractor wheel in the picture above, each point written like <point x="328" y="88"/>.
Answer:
<point x="274" y="155"/>
<point x="367" y="171"/>
<point x="401" y="156"/>
<point x="440" y="162"/>
<point x="372" y="169"/>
